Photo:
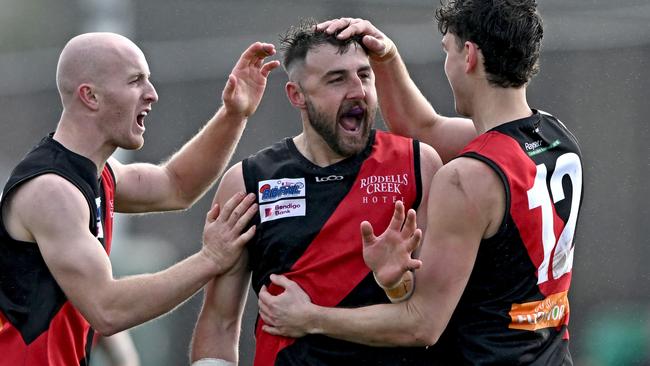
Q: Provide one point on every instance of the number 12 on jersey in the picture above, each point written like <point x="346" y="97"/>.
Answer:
<point x="560" y="249"/>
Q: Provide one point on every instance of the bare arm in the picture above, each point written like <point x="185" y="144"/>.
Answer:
<point x="119" y="349"/>
<point x="465" y="205"/>
<point x="216" y="334"/>
<point x="190" y="172"/>
<point x="52" y="212"/>
<point x="405" y="109"/>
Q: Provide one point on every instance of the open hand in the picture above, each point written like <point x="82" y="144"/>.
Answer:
<point x="247" y="81"/>
<point x="223" y="240"/>
<point x="389" y="255"/>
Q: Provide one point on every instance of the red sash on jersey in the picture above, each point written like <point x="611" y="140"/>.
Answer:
<point x="332" y="266"/>
<point x="491" y="145"/>
<point x="520" y="172"/>
<point x="66" y="340"/>
<point x="108" y="185"/>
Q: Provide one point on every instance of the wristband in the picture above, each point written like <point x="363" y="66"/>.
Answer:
<point x="213" y="362"/>
<point x="390" y="54"/>
<point x="402" y="290"/>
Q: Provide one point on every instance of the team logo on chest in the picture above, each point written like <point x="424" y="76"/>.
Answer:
<point x="383" y="188"/>
<point x="280" y="198"/>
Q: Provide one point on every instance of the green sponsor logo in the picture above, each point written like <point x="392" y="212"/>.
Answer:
<point x="543" y="149"/>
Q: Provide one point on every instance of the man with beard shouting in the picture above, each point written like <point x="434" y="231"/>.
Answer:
<point x="313" y="191"/>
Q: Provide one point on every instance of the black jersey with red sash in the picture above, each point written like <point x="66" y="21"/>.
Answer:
<point x="515" y="310"/>
<point x="308" y="230"/>
<point x="38" y="325"/>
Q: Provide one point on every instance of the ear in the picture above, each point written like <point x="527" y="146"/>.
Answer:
<point x="86" y="94"/>
<point x="295" y="94"/>
<point x="471" y="56"/>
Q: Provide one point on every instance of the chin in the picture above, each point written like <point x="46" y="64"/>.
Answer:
<point x="462" y="111"/>
<point x="133" y="145"/>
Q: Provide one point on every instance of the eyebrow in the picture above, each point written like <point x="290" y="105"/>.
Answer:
<point x="344" y="71"/>
<point x="139" y="74"/>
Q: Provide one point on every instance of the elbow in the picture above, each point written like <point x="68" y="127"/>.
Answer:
<point x="106" y="322"/>
<point x="425" y="330"/>
<point x="182" y="195"/>
<point x="184" y="203"/>
<point x="425" y="337"/>
<point x="105" y="328"/>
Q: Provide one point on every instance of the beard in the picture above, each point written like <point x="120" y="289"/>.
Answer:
<point x="327" y="128"/>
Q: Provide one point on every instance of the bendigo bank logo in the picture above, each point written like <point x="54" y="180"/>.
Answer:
<point x="383" y="188"/>
<point x="282" y="209"/>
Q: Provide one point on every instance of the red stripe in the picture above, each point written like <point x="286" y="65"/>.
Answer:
<point x="64" y="342"/>
<point x="108" y="185"/>
<point x="332" y="266"/>
<point x="520" y="171"/>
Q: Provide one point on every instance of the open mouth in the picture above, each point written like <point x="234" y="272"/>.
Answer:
<point x="140" y="118"/>
<point x="351" y="119"/>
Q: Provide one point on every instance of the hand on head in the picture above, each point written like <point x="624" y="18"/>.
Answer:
<point x="381" y="48"/>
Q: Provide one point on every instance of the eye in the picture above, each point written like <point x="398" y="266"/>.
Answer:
<point x="335" y="80"/>
<point x="137" y="79"/>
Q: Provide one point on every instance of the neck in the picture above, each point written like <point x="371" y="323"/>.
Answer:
<point x="83" y="139"/>
<point x="316" y="150"/>
<point x="496" y="106"/>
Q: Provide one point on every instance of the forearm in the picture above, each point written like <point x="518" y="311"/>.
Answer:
<point x="199" y="163"/>
<point x="216" y="338"/>
<point x="133" y="300"/>
<point x="405" y="110"/>
<point x="119" y="348"/>
<point x="383" y="325"/>
<point x="216" y="334"/>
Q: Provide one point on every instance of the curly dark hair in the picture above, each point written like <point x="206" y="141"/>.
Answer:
<point x="299" y="39"/>
<point x="508" y="33"/>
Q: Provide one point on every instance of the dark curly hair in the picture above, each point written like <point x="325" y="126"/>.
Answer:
<point x="508" y="33"/>
<point x="299" y="39"/>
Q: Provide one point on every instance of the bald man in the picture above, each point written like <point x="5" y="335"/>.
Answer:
<point x="56" y="282"/>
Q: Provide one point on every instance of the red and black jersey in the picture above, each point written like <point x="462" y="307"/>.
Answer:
<point x="515" y="309"/>
<point x="308" y="230"/>
<point x="38" y="325"/>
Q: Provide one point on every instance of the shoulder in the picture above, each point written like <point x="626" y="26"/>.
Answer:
<point x="233" y="176"/>
<point x="271" y="152"/>
<point x="49" y="202"/>
<point x="52" y="189"/>
<point x="470" y="180"/>
<point x="429" y="158"/>
<point x="231" y="183"/>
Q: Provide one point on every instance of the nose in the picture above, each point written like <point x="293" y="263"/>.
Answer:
<point x="151" y="95"/>
<point x="356" y="89"/>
